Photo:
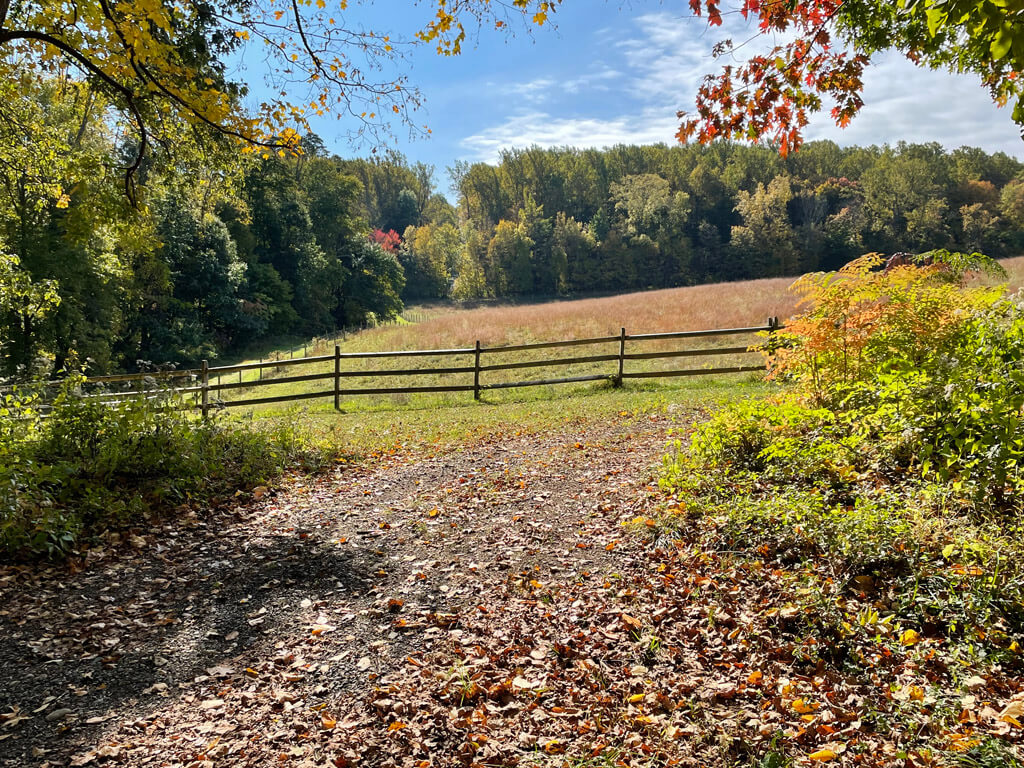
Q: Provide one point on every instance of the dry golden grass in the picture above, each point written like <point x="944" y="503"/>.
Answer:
<point x="726" y="305"/>
<point x="722" y="305"/>
<point x="1015" y="273"/>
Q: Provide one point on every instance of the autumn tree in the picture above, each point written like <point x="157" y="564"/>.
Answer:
<point x="828" y="45"/>
<point x="161" y="63"/>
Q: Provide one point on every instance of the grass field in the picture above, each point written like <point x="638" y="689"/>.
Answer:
<point x="682" y="309"/>
<point x="385" y="422"/>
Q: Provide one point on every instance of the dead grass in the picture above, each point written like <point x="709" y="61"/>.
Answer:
<point x="1015" y="272"/>
<point x="722" y="305"/>
<point x="725" y="305"/>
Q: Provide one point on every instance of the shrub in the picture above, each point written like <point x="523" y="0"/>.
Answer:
<point x="895" y="455"/>
<point x="90" y="466"/>
<point x="861" y="320"/>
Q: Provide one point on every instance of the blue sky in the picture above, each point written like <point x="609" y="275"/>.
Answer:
<point x="617" y="72"/>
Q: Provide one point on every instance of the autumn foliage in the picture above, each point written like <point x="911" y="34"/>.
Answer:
<point x="828" y="44"/>
<point x="389" y="241"/>
<point x="772" y="94"/>
<point x="862" y="318"/>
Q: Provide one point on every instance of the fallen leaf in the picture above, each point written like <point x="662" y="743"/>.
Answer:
<point x="823" y="755"/>
<point x="909" y="637"/>
<point x="803" y="707"/>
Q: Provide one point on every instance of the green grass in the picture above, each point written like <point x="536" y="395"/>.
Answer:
<point x="422" y="422"/>
<point x="375" y="341"/>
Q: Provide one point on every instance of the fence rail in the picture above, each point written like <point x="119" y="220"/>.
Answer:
<point x="197" y="384"/>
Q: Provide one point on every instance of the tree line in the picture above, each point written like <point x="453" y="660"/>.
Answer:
<point x="223" y="249"/>
<point x="567" y="221"/>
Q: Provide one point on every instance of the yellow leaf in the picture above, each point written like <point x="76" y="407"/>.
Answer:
<point x="823" y="755"/>
<point x="554" y="747"/>
<point x="636" y="698"/>
<point x="909" y="637"/>
<point x="328" y="722"/>
<point x="397" y="726"/>
<point x="803" y="707"/>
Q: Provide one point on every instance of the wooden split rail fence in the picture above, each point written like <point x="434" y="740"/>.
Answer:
<point x="205" y="384"/>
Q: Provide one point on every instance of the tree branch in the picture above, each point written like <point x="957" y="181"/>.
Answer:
<point x="7" y="36"/>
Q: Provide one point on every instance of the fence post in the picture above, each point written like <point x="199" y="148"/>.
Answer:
<point x="476" y="372"/>
<point x="773" y="325"/>
<point x="622" y="357"/>
<point x="206" y="391"/>
<point x="261" y="369"/>
<point x="337" y="377"/>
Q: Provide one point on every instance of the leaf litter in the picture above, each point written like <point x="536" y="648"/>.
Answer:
<point x="492" y="606"/>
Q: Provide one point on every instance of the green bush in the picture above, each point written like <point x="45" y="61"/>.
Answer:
<point x="908" y="473"/>
<point x="89" y="467"/>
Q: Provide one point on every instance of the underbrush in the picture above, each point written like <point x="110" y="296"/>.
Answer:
<point x="886" y="478"/>
<point x="88" y="466"/>
<point x="809" y="488"/>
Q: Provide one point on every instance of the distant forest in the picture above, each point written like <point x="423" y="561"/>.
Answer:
<point x="565" y="221"/>
<point x="225" y="251"/>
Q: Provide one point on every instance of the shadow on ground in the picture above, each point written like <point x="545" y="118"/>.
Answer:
<point x="80" y="651"/>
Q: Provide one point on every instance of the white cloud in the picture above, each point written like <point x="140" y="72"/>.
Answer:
<point x="645" y="78"/>
<point x="544" y="88"/>
<point x="547" y="130"/>
<point x="601" y="80"/>
<point x="904" y="102"/>
<point x="532" y="90"/>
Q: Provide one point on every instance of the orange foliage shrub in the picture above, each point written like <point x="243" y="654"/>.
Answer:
<point x="861" y="320"/>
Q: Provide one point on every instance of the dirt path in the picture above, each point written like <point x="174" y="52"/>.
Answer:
<point x="219" y="641"/>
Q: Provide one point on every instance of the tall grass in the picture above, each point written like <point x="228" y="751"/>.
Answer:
<point x="720" y="305"/>
<point x="694" y="308"/>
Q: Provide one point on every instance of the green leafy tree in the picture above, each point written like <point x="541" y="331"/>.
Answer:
<point x="428" y="255"/>
<point x="23" y="304"/>
<point x="471" y="280"/>
<point x="374" y="286"/>
<point x="765" y="242"/>
<point x="509" y="267"/>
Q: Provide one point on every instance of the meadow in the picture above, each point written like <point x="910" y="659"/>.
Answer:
<point x="446" y="326"/>
<point x="724" y="305"/>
